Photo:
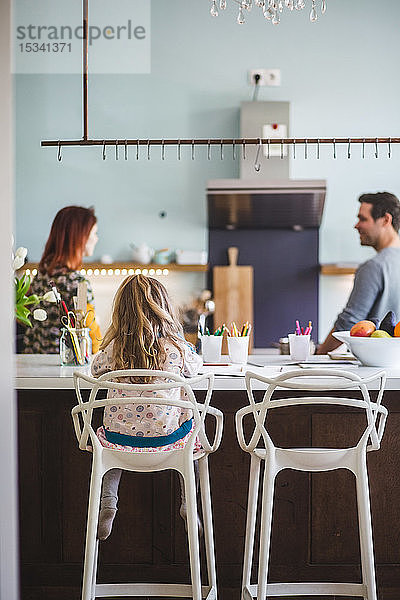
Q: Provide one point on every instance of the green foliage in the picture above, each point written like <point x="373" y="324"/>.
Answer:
<point x="22" y="313"/>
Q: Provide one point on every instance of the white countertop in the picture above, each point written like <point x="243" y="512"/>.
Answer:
<point x="43" y="371"/>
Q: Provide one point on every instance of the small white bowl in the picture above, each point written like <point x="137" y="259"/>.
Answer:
<point x="372" y="352"/>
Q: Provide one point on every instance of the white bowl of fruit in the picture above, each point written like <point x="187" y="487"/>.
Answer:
<point x="374" y="344"/>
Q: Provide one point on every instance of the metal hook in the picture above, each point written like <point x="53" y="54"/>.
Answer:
<point x="59" y="155"/>
<point x="305" y="148"/>
<point x="116" y="150"/>
<point x="376" y="148"/>
<point x="294" y="148"/>
<point x="244" y="149"/>
<point x="209" y="150"/>
<point x="192" y="149"/>
<point x="318" y="149"/>
<point x="363" y="148"/>
<point x="257" y="164"/>
<point x="222" y="150"/>
<point x="281" y="149"/>
<point x="348" y="148"/>
<point x="234" y="149"/>
<point x="104" y="150"/>
<point x="334" y="147"/>
<point x="162" y="150"/>
<point x="126" y="150"/>
<point x="179" y="149"/>
<point x="148" y="149"/>
<point x="390" y="148"/>
<point x="137" y="149"/>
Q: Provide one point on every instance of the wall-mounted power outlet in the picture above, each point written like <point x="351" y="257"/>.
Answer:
<point x="267" y="76"/>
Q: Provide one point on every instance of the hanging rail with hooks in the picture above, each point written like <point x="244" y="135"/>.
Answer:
<point x="236" y="143"/>
<point x="223" y="141"/>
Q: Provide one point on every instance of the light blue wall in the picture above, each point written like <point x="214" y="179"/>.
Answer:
<point x="341" y="76"/>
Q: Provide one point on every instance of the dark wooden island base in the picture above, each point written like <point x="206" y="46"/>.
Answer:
<point x="314" y="528"/>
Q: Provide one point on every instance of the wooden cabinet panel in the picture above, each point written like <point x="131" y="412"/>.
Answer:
<point x="385" y="494"/>
<point x="136" y="525"/>
<point x="333" y="534"/>
<point x="40" y="481"/>
<point x="334" y="512"/>
<point x="334" y="538"/>
<point x="30" y="489"/>
<point x="75" y="467"/>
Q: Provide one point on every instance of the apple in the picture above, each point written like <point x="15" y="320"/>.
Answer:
<point x="380" y="333"/>
<point x="362" y="329"/>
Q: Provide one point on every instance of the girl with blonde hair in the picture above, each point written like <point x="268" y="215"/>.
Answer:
<point x="144" y="334"/>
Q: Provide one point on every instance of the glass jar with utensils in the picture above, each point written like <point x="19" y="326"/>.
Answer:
<point x="75" y="341"/>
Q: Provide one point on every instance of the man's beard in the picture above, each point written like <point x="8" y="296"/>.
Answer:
<point x="366" y="241"/>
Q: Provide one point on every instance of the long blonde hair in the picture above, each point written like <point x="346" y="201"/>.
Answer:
<point x="142" y="319"/>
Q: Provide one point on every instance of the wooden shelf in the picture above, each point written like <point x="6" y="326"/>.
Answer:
<point x="338" y="269"/>
<point x="327" y="269"/>
<point x="131" y="265"/>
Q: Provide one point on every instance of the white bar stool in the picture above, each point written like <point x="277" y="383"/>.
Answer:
<point x="261" y="448"/>
<point x="181" y="460"/>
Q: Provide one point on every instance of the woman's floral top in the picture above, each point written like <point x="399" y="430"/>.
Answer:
<point x="44" y="336"/>
<point x="147" y="419"/>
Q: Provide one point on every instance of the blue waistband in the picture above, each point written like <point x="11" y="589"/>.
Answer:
<point x="149" y="442"/>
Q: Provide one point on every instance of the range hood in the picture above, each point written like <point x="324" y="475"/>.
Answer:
<point x="269" y="204"/>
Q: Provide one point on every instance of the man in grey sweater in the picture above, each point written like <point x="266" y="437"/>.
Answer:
<point x="376" y="288"/>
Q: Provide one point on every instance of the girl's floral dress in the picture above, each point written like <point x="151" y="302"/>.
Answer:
<point x="146" y="419"/>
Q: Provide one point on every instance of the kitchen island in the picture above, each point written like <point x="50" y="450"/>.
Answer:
<point x="314" y="529"/>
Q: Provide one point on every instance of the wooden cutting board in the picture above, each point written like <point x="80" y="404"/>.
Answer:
<point x="233" y="294"/>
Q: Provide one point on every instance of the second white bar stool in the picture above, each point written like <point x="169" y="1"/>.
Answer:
<point x="261" y="448"/>
<point x="181" y="460"/>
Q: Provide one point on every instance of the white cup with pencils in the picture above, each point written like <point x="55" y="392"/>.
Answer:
<point x="299" y="342"/>
<point x="299" y="346"/>
<point x="238" y="349"/>
<point x="211" y="346"/>
<point x="238" y="343"/>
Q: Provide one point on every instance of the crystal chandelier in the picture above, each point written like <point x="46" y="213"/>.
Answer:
<point x="271" y="9"/>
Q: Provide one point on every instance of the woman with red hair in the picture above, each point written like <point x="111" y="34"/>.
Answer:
<point x="73" y="235"/>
